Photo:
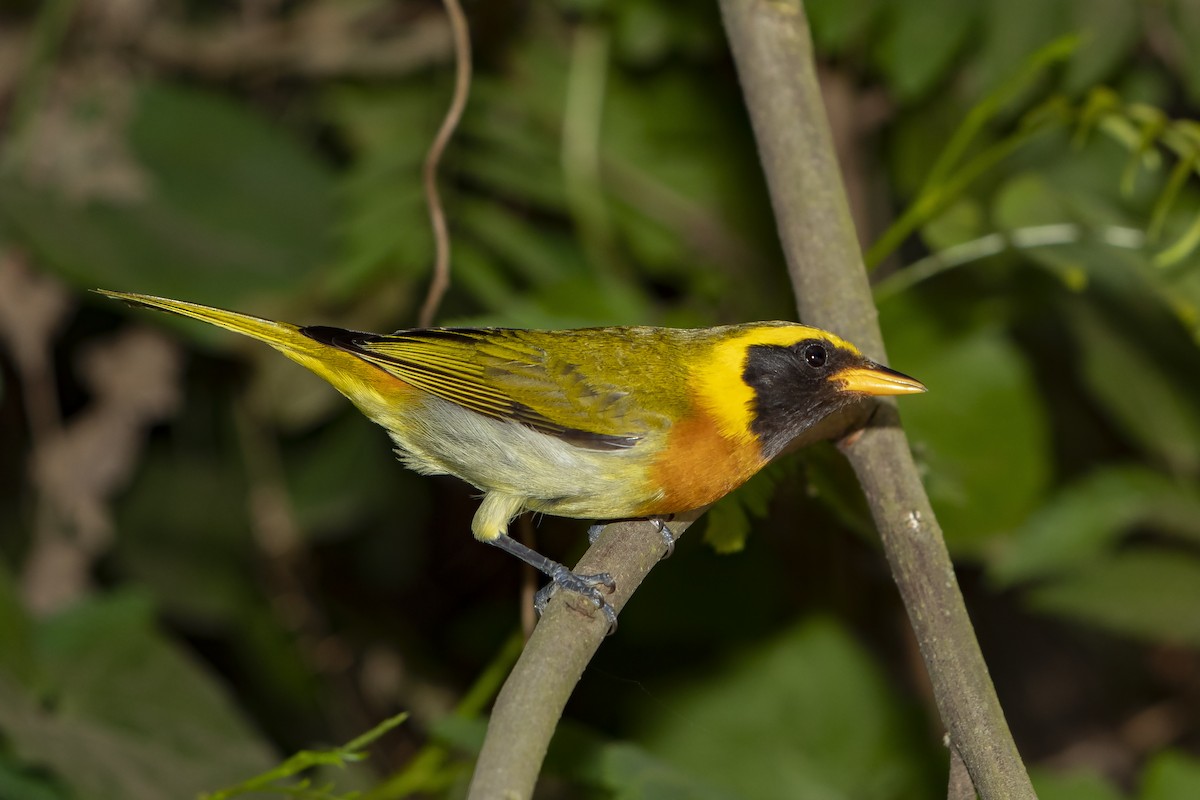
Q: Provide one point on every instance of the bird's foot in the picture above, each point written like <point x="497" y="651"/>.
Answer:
<point x="594" y="532"/>
<point x="589" y="586"/>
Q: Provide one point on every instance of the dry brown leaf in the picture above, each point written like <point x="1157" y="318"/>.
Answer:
<point x="109" y="22"/>
<point x="85" y="156"/>
<point x="14" y="43"/>
<point x="32" y="307"/>
<point x="135" y="375"/>
<point x="134" y="378"/>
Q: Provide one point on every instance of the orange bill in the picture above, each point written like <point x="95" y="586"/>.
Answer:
<point x="873" y="379"/>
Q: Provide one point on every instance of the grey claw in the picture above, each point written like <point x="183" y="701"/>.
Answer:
<point x="612" y="619"/>
<point x="668" y="537"/>
<point x="543" y="597"/>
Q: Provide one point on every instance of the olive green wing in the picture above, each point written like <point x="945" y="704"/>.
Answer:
<point x="506" y="374"/>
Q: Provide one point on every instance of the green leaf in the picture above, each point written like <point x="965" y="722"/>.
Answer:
<point x="1110" y="30"/>
<point x="1083" y="521"/>
<point x="1028" y="199"/>
<point x="325" y="503"/>
<point x="961" y="222"/>
<point x="727" y="524"/>
<point x="1147" y="593"/>
<point x="643" y="31"/>
<point x="625" y="769"/>
<point x="921" y="42"/>
<point x="1180" y="249"/>
<point x="657" y="168"/>
<point x="632" y="774"/>
<point x="16" y="640"/>
<point x="124" y="714"/>
<point x="581" y="300"/>
<point x="577" y="754"/>
<point x="1072" y="786"/>
<point x="306" y="760"/>
<point x="992" y="105"/>
<point x="981" y="431"/>
<point x="383" y="226"/>
<point x="20" y="782"/>
<point x="185" y="536"/>
<point x="1011" y="32"/>
<point x="1169" y="776"/>
<point x="807" y="715"/>
<point x="534" y="182"/>
<point x="1181" y="173"/>
<point x="1141" y="395"/>
<point x="538" y="256"/>
<point x="836" y="23"/>
<point x="647" y="32"/>
<point x="830" y="479"/>
<point x="232" y="206"/>
<point x="1187" y="28"/>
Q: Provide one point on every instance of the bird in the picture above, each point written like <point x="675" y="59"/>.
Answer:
<point x="597" y="423"/>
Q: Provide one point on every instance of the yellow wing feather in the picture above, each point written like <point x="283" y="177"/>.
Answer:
<point x="499" y="373"/>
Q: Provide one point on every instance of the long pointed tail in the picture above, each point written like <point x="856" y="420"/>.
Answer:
<point x="348" y="374"/>
<point x="280" y="335"/>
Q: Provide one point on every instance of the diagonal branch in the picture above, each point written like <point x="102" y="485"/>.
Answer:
<point x="773" y="52"/>
<point x="529" y="706"/>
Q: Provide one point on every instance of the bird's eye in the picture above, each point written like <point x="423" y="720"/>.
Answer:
<point x="815" y="356"/>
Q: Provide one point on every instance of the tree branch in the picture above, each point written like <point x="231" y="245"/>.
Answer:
<point x="565" y="639"/>
<point x="773" y="52"/>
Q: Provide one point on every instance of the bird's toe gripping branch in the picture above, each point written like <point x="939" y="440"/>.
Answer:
<point x="668" y="538"/>
<point x="588" y="586"/>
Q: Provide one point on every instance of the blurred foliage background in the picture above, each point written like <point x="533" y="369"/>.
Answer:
<point x="210" y="560"/>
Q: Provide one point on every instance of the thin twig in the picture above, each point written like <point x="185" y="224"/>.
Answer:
<point x="437" y="215"/>
<point x="1030" y="238"/>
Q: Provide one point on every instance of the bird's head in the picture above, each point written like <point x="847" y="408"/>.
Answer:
<point x="798" y="376"/>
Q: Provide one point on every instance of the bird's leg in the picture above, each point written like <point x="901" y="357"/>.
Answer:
<point x="561" y="577"/>
<point x="594" y="532"/>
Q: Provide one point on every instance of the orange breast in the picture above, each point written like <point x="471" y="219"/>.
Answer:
<point x="699" y="466"/>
